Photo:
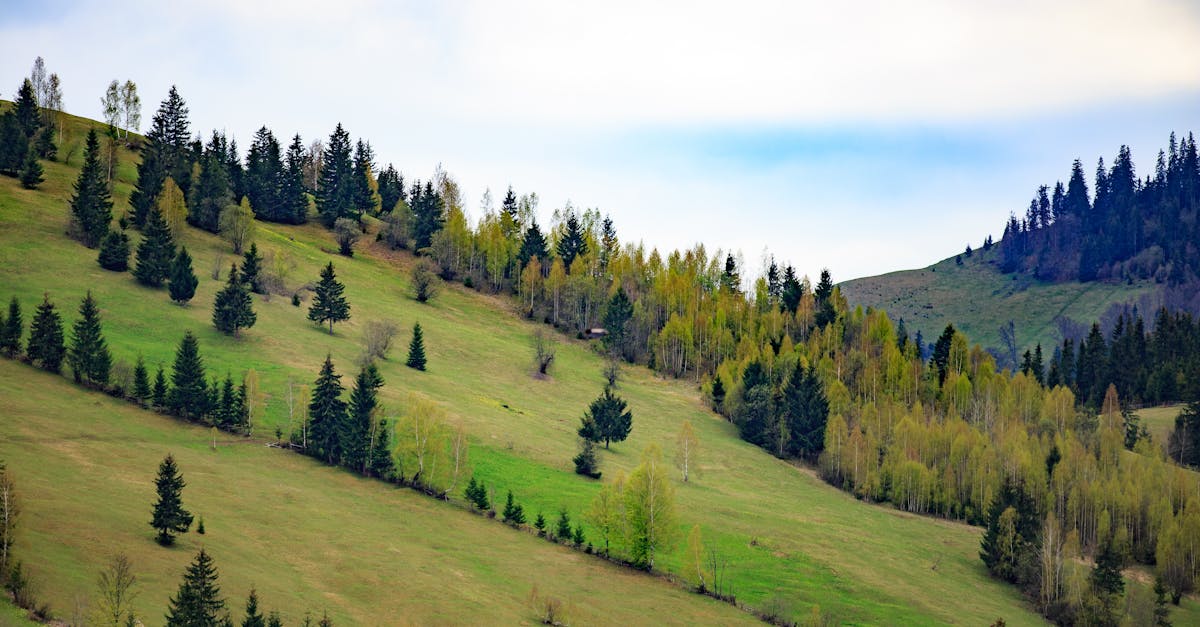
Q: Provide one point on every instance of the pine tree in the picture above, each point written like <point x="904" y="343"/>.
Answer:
<point x="182" y="281"/>
<point x="539" y="523"/>
<point x="356" y="430"/>
<point x="159" y="396"/>
<point x="585" y="461"/>
<point x="166" y="152"/>
<point x="88" y="357"/>
<point x="91" y="205"/>
<point x="562" y="529"/>
<point x="429" y="215"/>
<point x="189" y="391"/>
<point x="607" y="419"/>
<point x="198" y="602"/>
<point x="12" y="329"/>
<point x="155" y="253"/>
<point x="572" y="244"/>
<point x="232" y="308"/>
<point x="292" y="194"/>
<point x="513" y="513"/>
<point x="252" y="269"/>
<point x="326" y="415"/>
<point x="364" y="195"/>
<point x="533" y="246"/>
<point x="114" y="251"/>
<point x="263" y="182"/>
<point x="335" y="191"/>
<point x="476" y="494"/>
<point x="329" y="305"/>
<point x="141" y="381"/>
<point x="416" y="349"/>
<point x="211" y="192"/>
<point x="617" y="314"/>
<point x="380" y="463"/>
<point x="31" y="172"/>
<point x="46" y="337"/>
<point x="169" y="516"/>
<point x="253" y="617"/>
<point x="805" y="413"/>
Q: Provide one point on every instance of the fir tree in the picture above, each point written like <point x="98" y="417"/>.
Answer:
<point x="274" y="619"/>
<point x="166" y="152"/>
<point x="607" y="419"/>
<point x="416" y="349"/>
<point x="253" y="617"/>
<point x="805" y="413"/>
<point x="198" y="602"/>
<point x="31" y="172"/>
<point x="13" y="144"/>
<point x="476" y="494"/>
<point x="578" y="538"/>
<point x="513" y="513"/>
<point x="160" y="394"/>
<point x="429" y="215"/>
<point x="211" y="192"/>
<point x="585" y="461"/>
<point x="141" y="381"/>
<point x="292" y="194"/>
<point x="329" y="305"/>
<point x="252" y="269"/>
<point x="380" y="463"/>
<point x="114" y="251"/>
<point x="356" y="430"/>
<point x="169" y="516"/>
<point x="189" y="390"/>
<point x="539" y="523"/>
<point x="182" y="281"/>
<point x="364" y="195"/>
<point x="232" y="308"/>
<point x="12" y="329"/>
<point x="25" y="108"/>
<point x="88" y="356"/>
<point x="155" y="253"/>
<point x="263" y="182"/>
<point x="533" y="245"/>
<point x="335" y="191"/>
<point x="572" y="244"/>
<point x="562" y="529"/>
<point x="326" y="415"/>
<point x="617" y="314"/>
<point x="91" y="205"/>
<point x="46" y="337"/>
<point x="718" y="392"/>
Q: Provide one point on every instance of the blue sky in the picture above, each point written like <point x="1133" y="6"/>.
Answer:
<point x="865" y="138"/>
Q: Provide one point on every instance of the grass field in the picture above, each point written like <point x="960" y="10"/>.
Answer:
<point x="275" y="518"/>
<point x="978" y="299"/>
<point x="1159" y="421"/>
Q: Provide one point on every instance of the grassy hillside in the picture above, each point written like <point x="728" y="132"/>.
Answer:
<point x="978" y="299"/>
<point x="274" y="518"/>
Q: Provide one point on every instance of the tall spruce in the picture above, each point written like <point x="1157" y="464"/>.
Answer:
<point x="46" y="346"/>
<point x="141" y="381"/>
<point x="198" y="602"/>
<point x="533" y="245"/>
<point x="12" y="329"/>
<point x="211" y="192"/>
<point x="166" y="152"/>
<point x="335" y="191"/>
<point x="364" y="196"/>
<point x="329" y="305"/>
<point x="169" y="517"/>
<point x="292" y="193"/>
<point x="182" y="282"/>
<point x="232" y="308"/>
<point x="91" y="204"/>
<point x="416" y="349"/>
<point x="429" y="215"/>
<point x="356" y="430"/>
<point x="573" y="244"/>
<point x="161" y="394"/>
<point x="88" y="356"/>
<point x="114" y="251"/>
<point x="806" y="411"/>
<point x="189" y="389"/>
<point x="264" y="178"/>
<point x="155" y="252"/>
<point x="252" y="269"/>
<point x="326" y="415"/>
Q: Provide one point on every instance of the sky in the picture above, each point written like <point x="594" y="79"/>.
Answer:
<point x="862" y="137"/>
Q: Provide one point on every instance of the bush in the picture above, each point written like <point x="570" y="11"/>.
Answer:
<point x="424" y="281"/>
<point x="377" y="340"/>
<point x="346" y="232"/>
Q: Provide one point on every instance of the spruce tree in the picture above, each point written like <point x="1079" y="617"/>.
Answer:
<point x="572" y="244"/>
<point x="155" y="252"/>
<point x="329" y="305"/>
<point x="429" y="215"/>
<point x="252" y="269"/>
<point x="416" y="349"/>
<point x="607" y="419"/>
<point x="169" y="516"/>
<point x="182" y="281"/>
<point x="562" y="529"/>
<point x="11" y="331"/>
<point x="335" y="191"/>
<point x="160" y="396"/>
<point x="114" y="251"/>
<point x="25" y="108"/>
<point x="533" y="245"/>
<point x="513" y="514"/>
<point x="166" y="152"/>
<point x="380" y="463"/>
<point x="326" y="415"/>
<point x="91" y="205"/>
<point x="253" y="617"/>
<point x="88" y="357"/>
<point x="31" y="172"/>
<point x="293" y="196"/>
<point x="141" y="381"/>
<point x="198" y="602"/>
<point x="806" y="412"/>
<point x="13" y="144"/>
<point x="585" y="461"/>
<point x="46" y="337"/>
<point x="356" y="431"/>
<point x="232" y="309"/>
<point x="211" y="192"/>
<point x="189" y="391"/>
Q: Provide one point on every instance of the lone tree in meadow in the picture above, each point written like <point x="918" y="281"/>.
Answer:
<point x="88" y="356"/>
<point x="114" y="251"/>
<point x="329" y="305"/>
<point x="91" y="205"/>
<point x="198" y="601"/>
<point x="155" y="253"/>
<point x="46" y="337"/>
<point x="606" y="420"/>
<point x="232" y="308"/>
<point x="416" y="349"/>
<point x="169" y="517"/>
<point x="182" y="282"/>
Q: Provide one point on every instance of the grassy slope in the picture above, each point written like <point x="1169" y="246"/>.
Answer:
<point x="977" y="299"/>
<point x="785" y="533"/>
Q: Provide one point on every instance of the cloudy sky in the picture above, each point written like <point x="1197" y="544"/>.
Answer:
<point x="864" y="137"/>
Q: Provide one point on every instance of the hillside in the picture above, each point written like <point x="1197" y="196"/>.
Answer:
<point x="977" y="298"/>
<point x="791" y="541"/>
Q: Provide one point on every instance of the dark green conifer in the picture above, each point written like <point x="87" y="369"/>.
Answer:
<point x="169" y="516"/>
<point x="329" y="305"/>
<point x="416" y="349"/>
<point x="232" y="309"/>
<point x="189" y="391"/>
<point x="253" y="617"/>
<point x="805" y="413"/>
<point x="513" y="514"/>
<point x="155" y="252"/>
<point x="114" y="251"/>
<point x="198" y="602"/>
<point x="335" y="191"/>
<point x="539" y="523"/>
<point x="211" y="192"/>
<point x="88" y="356"/>
<point x="11" y="331"/>
<point x="91" y="205"/>
<point x="533" y="245"/>
<point x="31" y="172"/>
<point x="141" y="381"/>
<point x="182" y="281"/>
<point x="166" y="152"/>
<point x="572" y="244"/>
<point x="46" y="346"/>
<point x="356" y="431"/>
<point x="159" y="396"/>
<point x="380" y="463"/>
<point x="252" y="269"/>
<point x="562" y="530"/>
<point x="607" y="419"/>
<point x="326" y="415"/>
